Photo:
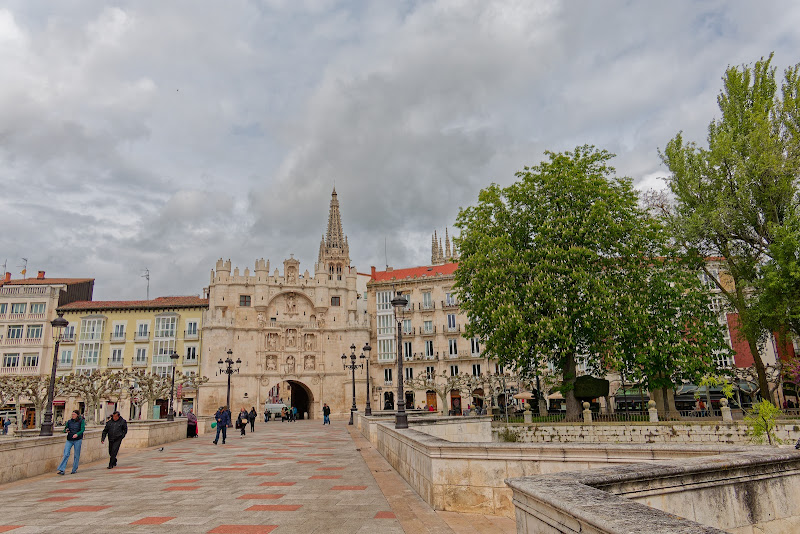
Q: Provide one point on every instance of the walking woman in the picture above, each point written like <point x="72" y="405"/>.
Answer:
<point x="191" y="424"/>
<point x="252" y="417"/>
<point x="243" y="420"/>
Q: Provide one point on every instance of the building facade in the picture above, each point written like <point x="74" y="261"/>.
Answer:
<point x="134" y="334"/>
<point x="289" y="329"/>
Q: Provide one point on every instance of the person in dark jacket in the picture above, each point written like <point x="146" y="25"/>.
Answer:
<point x="115" y="429"/>
<point x="241" y="420"/>
<point x="252" y="416"/>
<point x="326" y="414"/>
<point x="74" y="428"/>
<point x="223" y="419"/>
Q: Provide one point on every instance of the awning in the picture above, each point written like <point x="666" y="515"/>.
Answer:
<point x="59" y="403"/>
<point x="556" y="396"/>
<point x="525" y="395"/>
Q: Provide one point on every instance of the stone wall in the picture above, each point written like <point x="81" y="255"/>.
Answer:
<point x="674" y="432"/>
<point x="743" y="493"/>
<point x="31" y="456"/>
<point x="461" y="476"/>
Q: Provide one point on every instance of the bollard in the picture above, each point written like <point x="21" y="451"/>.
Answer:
<point x="726" y="410"/>
<point x="651" y="408"/>
<point x="527" y="416"/>
<point x="587" y="414"/>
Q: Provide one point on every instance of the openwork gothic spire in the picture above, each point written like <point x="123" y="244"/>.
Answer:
<point x="334" y="245"/>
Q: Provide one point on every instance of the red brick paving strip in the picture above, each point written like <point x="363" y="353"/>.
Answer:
<point x="229" y="469"/>
<point x="358" y="488"/>
<point x="309" y="462"/>
<point x="269" y="496"/>
<point x="243" y="529"/>
<point x="385" y="515"/>
<point x="274" y="508"/>
<point x="68" y="490"/>
<point x="7" y="528"/>
<point x="183" y="481"/>
<point x="82" y="509"/>
<point x="152" y="521"/>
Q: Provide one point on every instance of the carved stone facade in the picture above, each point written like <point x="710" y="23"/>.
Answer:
<point x="289" y="330"/>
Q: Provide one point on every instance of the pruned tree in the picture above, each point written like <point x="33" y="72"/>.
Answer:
<point x="150" y="386"/>
<point x="442" y="384"/>
<point x="15" y="387"/>
<point x="36" y="387"/>
<point x="95" y="387"/>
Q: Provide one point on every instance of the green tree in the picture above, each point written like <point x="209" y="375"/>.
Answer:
<point x="733" y="197"/>
<point x="762" y="421"/>
<point x="543" y="262"/>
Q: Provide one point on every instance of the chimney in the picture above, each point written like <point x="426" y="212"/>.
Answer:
<point x="373" y="272"/>
<point x="40" y="275"/>
<point x="7" y="278"/>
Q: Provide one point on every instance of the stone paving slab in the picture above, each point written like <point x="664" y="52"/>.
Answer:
<point x="193" y="486"/>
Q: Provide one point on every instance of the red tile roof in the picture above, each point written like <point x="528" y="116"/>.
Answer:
<point x="157" y="303"/>
<point x="45" y="281"/>
<point x="415" y="272"/>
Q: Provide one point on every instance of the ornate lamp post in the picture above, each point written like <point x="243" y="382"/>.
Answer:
<point x="58" y="324"/>
<point x="229" y="370"/>
<point x="174" y="357"/>
<point x="368" y="407"/>
<point x="352" y="366"/>
<point x="401" y="419"/>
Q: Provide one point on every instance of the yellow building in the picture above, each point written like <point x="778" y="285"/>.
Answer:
<point x="135" y="334"/>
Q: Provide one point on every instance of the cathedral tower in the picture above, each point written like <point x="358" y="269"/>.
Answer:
<point x="334" y="251"/>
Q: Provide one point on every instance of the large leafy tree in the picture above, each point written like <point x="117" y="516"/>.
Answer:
<point x="733" y="198"/>
<point x="543" y="261"/>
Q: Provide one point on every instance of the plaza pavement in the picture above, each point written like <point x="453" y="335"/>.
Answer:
<point x="285" y="478"/>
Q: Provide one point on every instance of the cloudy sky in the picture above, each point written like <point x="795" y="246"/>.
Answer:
<point x="164" y="135"/>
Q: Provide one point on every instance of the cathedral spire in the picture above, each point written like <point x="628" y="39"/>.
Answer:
<point x="334" y="245"/>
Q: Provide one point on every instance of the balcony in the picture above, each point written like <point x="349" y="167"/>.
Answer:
<point x="449" y="304"/>
<point x="454" y="328"/>
<point x="426" y="307"/>
<point x="428" y="331"/>
<point x="388" y="382"/>
<point x="190" y="335"/>
<point x="15" y="316"/>
<point x="12" y="341"/>
<point x="410" y="332"/>
<point x="140" y="363"/>
<point x="118" y="338"/>
<point x="28" y="370"/>
<point x="189" y="362"/>
<point x="68" y="339"/>
<point x="141" y="336"/>
<point x="36" y="316"/>
<point x="114" y="364"/>
<point x="64" y="366"/>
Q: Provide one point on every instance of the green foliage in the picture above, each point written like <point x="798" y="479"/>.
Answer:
<point x="509" y="435"/>
<point x="735" y="198"/>
<point x="588" y="387"/>
<point x="761" y="421"/>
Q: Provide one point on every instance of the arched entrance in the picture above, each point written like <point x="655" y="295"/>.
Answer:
<point x="430" y="400"/>
<point x="388" y="400"/>
<point x="455" y="402"/>
<point x="301" y="398"/>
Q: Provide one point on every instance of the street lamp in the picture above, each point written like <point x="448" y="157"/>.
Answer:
<point x="174" y="357"/>
<point x="401" y="419"/>
<point x="352" y="366"/>
<point x="58" y="324"/>
<point x="229" y="370"/>
<point x="368" y="407"/>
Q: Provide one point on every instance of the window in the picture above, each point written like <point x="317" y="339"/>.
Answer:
<point x="3" y="308"/>
<point x="500" y="369"/>
<point x="476" y="369"/>
<point x="430" y="373"/>
<point x="162" y="349"/>
<point x="427" y="301"/>
<point x="453" y="370"/>
<point x="34" y="331"/>
<point x="10" y="360"/>
<point x="335" y="301"/>
<point x="116" y="357"/>
<point x="383" y="300"/>
<point x="427" y="327"/>
<point x="385" y="325"/>
<point x="244" y="300"/>
<point x="451" y="322"/>
<point x="407" y="350"/>
<point x="409" y="372"/>
<point x="38" y="307"/>
<point x="119" y="331"/>
<point x="162" y="370"/>
<point x="15" y="331"/>
<point x="710" y="281"/>
<point x="408" y="306"/>
<point x="69" y="333"/>
<point x="165" y="326"/>
<point x="450" y="299"/>
<point x="92" y="329"/>
<point x="453" y="344"/>
<point x="191" y="328"/>
<point x="716" y="304"/>
<point x="406" y="326"/>
<point x="18" y="307"/>
<point x="386" y="349"/>
<point x="429" y="349"/>
<point x="88" y="353"/>
<point x="66" y="358"/>
<point x="191" y="355"/>
<point x="475" y="346"/>
<point x="141" y="356"/>
<point x="143" y="330"/>
<point x="387" y="376"/>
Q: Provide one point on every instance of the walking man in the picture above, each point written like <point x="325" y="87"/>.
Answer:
<point x="74" y="429"/>
<point x="326" y="414"/>
<point x="223" y="419"/>
<point x="115" y="429"/>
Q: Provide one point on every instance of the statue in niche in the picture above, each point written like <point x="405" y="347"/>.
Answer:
<point x="272" y="363"/>
<point x="321" y="319"/>
<point x="309" y="342"/>
<point x="309" y="365"/>
<point x="292" y="275"/>
<point x="290" y="338"/>
<point x="290" y="365"/>
<point x="291" y="304"/>
<point x="261" y="319"/>
<point x="272" y="341"/>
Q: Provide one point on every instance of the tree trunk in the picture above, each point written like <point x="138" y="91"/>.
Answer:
<point x="763" y="384"/>
<point x="573" y="406"/>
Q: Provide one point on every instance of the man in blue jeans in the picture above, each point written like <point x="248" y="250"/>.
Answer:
<point x="223" y="419"/>
<point x="74" y="429"/>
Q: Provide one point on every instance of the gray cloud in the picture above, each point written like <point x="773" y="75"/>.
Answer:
<point x="167" y="135"/>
